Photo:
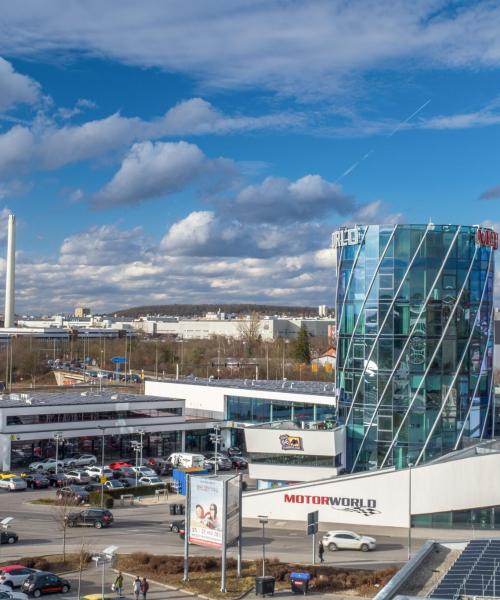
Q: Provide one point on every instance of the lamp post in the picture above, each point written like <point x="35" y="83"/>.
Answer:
<point x="263" y="520"/>
<point x="136" y="446"/>
<point x="141" y="432"/>
<point x="107" y="555"/>
<point x="102" y="429"/>
<point x="285" y="342"/>
<point x="58" y="436"/>
<point x="215" y="438"/>
<point x="410" y="465"/>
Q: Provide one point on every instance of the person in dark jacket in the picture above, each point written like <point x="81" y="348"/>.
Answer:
<point x="144" y="588"/>
<point x="321" y="552"/>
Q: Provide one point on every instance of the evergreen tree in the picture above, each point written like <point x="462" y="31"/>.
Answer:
<point x="302" y="351"/>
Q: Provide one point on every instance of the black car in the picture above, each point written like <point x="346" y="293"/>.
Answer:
<point x="128" y="481"/>
<point x="73" y="494"/>
<point x="234" y="451"/>
<point x="93" y="487"/>
<point x="91" y="517"/>
<point x="58" y="480"/>
<point x="37" y="481"/>
<point x="239" y="462"/>
<point x="8" y="537"/>
<point x="44" y="582"/>
<point x="176" y="526"/>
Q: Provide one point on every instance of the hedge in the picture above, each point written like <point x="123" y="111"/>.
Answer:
<point x="95" y="499"/>
<point x="140" y="490"/>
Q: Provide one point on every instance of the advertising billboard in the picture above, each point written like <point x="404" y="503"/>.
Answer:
<point x="233" y="510"/>
<point x="206" y="511"/>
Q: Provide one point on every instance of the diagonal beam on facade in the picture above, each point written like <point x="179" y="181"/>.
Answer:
<point x="461" y="361"/>
<point x="410" y="335"/>
<point x="391" y="307"/>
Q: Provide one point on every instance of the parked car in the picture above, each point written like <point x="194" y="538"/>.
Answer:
<point x="44" y="582"/>
<point x="234" y="451"/>
<point x="72" y="493"/>
<point x="14" y="484"/>
<point x="10" y="595"/>
<point x="113" y="484"/>
<point x="93" y="487"/>
<point x="348" y="540"/>
<point x="223" y="463"/>
<point x="127" y="481"/>
<point x="152" y="480"/>
<point x="36" y="480"/>
<point x="14" y="575"/>
<point x="144" y="471"/>
<point x="91" y="517"/>
<point x="176" y="526"/>
<point x="78" y="477"/>
<point x="58" y="480"/>
<point x="119" y="464"/>
<point x="47" y="464"/>
<point x="239" y="462"/>
<point x="81" y="460"/>
<point x="8" y="537"/>
<point x="98" y="472"/>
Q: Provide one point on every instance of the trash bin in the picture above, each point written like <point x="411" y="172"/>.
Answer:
<point x="182" y="509"/>
<point x="172" y="509"/>
<point x="300" y="582"/>
<point x="264" y="585"/>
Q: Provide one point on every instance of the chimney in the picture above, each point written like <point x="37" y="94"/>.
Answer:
<point x="10" y="273"/>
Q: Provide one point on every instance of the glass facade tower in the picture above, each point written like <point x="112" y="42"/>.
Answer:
<point x="414" y="341"/>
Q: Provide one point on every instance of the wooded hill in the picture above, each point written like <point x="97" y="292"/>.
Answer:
<point x="199" y="310"/>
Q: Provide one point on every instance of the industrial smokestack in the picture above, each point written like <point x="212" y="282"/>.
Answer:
<point x="11" y="272"/>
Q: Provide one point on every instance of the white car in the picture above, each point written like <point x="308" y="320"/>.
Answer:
<point x="144" y="472"/>
<point x="80" y="461"/>
<point x="98" y="472"/>
<point x="153" y="480"/>
<point x="348" y="540"/>
<point x="13" y="576"/>
<point x="10" y="595"/>
<point x="14" y="484"/>
<point x="46" y="464"/>
<point x="77" y="477"/>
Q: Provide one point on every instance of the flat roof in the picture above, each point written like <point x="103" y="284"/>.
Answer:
<point x="315" y="388"/>
<point x="65" y="397"/>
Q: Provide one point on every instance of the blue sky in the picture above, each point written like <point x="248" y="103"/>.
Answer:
<point x="162" y="152"/>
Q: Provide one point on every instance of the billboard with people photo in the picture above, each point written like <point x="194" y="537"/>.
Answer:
<point x="207" y="511"/>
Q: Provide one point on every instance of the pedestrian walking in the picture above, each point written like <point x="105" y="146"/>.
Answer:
<point x="137" y="587"/>
<point x="144" y="588"/>
<point x="118" y="585"/>
<point x="321" y="552"/>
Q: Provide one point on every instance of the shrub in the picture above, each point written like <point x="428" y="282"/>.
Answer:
<point x="95" y="499"/>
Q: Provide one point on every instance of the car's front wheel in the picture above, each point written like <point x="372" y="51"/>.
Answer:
<point x="37" y="593"/>
<point x="11" y="540"/>
<point x="98" y="525"/>
<point x="332" y="547"/>
<point x="65" y="589"/>
<point x="175" y="529"/>
<point x="364" y="548"/>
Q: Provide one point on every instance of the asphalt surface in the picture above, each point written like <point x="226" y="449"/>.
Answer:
<point x="144" y="528"/>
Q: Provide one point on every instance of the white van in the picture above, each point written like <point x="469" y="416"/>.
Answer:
<point x="186" y="460"/>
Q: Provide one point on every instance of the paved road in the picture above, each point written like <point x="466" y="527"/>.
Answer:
<point x="143" y="528"/>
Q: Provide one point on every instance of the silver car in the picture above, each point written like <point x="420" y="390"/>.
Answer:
<point x="348" y="540"/>
<point x="13" y="484"/>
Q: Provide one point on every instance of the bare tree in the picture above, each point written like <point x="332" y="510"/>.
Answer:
<point x="60" y="515"/>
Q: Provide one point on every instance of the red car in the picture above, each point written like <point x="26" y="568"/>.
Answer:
<point x="119" y="464"/>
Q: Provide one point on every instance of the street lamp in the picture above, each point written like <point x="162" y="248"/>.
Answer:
<point x="285" y="342"/>
<point x="215" y="438"/>
<point x="263" y="520"/>
<point x="410" y="465"/>
<point x="137" y="449"/>
<point x="102" y="429"/>
<point x="107" y="555"/>
<point x="141" y="432"/>
<point x="58" y="436"/>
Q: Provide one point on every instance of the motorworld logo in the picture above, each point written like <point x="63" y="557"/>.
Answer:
<point x="363" y="506"/>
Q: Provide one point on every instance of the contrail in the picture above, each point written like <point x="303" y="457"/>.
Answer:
<point x="409" y="118"/>
<point x="356" y="164"/>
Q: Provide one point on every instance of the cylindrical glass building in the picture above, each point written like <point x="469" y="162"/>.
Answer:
<point x="414" y="341"/>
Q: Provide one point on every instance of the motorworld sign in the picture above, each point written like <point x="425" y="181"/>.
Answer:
<point x="345" y="237"/>
<point x="487" y="237"/>
<point x="365" y="506"/>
